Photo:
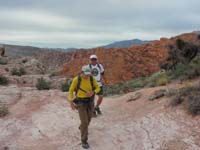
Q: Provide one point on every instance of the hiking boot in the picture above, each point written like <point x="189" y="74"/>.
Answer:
<point x="85" y="145"/>
<point x="97" y="109"/>
<point x="94" y="115"/>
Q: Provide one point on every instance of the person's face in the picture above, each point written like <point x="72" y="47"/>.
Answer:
<point x="85" y="76"/>
<point x="94" y="61"/>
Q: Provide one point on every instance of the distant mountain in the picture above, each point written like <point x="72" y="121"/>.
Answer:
<point x="197" y="32"/>
<point x="125" y="44"/>
<point x="16" y="51"/>
<point x="61" y="49"/>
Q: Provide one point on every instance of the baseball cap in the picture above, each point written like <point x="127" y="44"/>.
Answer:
<point x="86" y="70"/>
<point x="93" y="57"/>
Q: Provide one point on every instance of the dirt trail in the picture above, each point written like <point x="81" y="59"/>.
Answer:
<point x="41" y="120"/>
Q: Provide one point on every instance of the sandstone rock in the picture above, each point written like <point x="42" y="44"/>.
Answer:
<point x="124" y="64"/>
<point x="9" y="94"/>
<point x="157" y="94"/>
<point x="134" y="97"/>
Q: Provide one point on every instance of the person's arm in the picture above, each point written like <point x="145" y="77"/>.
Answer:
<point x="71" y="92"/>
<point x="103" y="74"/>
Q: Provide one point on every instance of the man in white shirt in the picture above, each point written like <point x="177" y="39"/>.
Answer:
<point x="98" y="74"/>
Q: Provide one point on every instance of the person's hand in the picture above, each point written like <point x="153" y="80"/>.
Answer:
<point x="72" y="105"/>
<point x="90" y="93"/>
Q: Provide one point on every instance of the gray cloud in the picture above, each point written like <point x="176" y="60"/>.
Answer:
<point x="88" y="23"/>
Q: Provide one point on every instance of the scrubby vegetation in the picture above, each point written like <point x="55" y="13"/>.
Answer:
<point x="182" y="63"/>
<point x="18" y="72"/>
<point x="157" y="79"/>
<point x="3" y="80"/>
<point x="3" y="110"/>
<point x="53" y="74"/>
<point x="65" y="86"/>
<point x="191" y="96"/>
<point x="3" y="62"/>
<point x="42" y="84"/>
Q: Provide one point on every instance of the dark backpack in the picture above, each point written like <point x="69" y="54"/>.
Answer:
<point x="79" y="83"/>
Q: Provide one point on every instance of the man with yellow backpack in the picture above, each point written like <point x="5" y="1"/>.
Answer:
<point x="85" y="87"/>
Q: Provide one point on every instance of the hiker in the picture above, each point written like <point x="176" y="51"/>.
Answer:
<point x="98" y="74"/>
<point x="85" y="87"/>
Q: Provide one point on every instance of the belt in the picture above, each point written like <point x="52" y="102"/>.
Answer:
<point x="82" y="100"/>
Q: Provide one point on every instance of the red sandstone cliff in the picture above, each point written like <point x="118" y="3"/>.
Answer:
<point x="125" y="63"/>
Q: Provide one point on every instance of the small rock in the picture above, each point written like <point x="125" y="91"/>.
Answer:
<point x="157" y="94"/>
<point x="135" y="97"/>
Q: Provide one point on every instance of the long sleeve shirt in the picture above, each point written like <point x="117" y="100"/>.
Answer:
<point x="85" y="84"/>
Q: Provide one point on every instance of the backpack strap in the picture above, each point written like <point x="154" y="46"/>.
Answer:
<point x="92" y="83"/>
<point x="98" y="65"/>
<point x="78" y="84"/>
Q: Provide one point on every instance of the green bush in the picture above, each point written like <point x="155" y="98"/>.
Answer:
<point x="18" y="72"/>
<point x="55" y="73"/>
<point x="114" y="89"/>
<point x="186" y="71"/>
<point x="194" y="104"/>
<point x="65" y="87"/>
<point x="137" y="83"/>
<point x="3" y="80"/>
<point x="42" y="84"/>
<point x="3" y="110"/>
<point x="178" y="99"/>
<point x="2" y="62"/>
<point x="24" y="60"/>
<point x="162" y="80"/>
<point x="190" y="95"/>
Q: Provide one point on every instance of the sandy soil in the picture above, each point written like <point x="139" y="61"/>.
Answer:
<point x="41" y="120"/>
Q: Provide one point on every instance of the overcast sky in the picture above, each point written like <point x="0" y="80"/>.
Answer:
<point x="91" y="23"/>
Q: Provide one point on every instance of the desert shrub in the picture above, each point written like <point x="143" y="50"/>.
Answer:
<point x="42" y="84"/>
<point x="2" y="62"/>
<point x="181" y="52"/>
<point x="7" y="69"/>
<point x="22" y="71"/>
<point x="3" y="80"/>
<point x="14" y="71"/>
<point x="65" y="86"/>
<point x="171" y="92"/>
<point x="53" y="74"/>
<point x="190" y="95"/>
<point x="162" y="80"/>
<point x="114" y="89"/>
<point x="137" y="83"/>
<point x="24" y="60"/>
<point x="18" y="72"/>
<point x="157" y="79"/>
<point x="186" y="71"/>
<point x="178" y="99"/>
<point x="194" y="104"/>
<point x="3" y="110"/>
<point x="180" y="71"/>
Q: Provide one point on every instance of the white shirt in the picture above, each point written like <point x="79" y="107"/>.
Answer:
<point x="96" y="73"/>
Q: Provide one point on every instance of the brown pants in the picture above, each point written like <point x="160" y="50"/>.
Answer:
<point x="85" y="114"/>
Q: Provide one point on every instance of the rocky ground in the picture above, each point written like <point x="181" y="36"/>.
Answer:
<point x="43" y="120"/>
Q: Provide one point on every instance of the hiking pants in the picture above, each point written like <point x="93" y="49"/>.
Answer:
<point x="85" y="114"/>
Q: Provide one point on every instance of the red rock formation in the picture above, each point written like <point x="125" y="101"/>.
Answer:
<point x="125" y="63"/>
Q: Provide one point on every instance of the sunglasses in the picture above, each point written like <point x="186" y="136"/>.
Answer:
<point x="93" y="59"/>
